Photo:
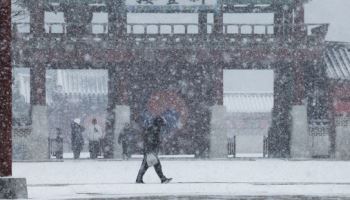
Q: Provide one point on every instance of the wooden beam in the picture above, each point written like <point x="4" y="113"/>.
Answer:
<point x="110" y="120"/>
<point x="176" y="8"/>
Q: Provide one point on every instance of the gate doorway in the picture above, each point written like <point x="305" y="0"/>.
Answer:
<point x="248" y="98"/>
<point x="72" y="95"/>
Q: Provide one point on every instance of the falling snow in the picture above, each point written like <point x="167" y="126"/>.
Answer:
<point x="198" y="83"/>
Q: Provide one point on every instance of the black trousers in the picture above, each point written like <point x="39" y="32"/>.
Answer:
<point x="76" y="154"/>
<point x="125" y="149"/>
<point x="144" y="167"/>
<point x="94" y="148"/>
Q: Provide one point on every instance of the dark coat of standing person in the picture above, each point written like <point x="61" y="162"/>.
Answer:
<point x="77" y="138"/>
<point x="124" y="139"/>
<point x="151" y="144"/>
<point x="59" y="144"/>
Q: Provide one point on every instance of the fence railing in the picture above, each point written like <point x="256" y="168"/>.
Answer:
<point x="21" y="131"/>
<point x="265" y="147"/>
<point x="55" y="148"/>
<point x="342" y="121"/>
<point x="231" y="146"/>
<point x="182" y="28"/>
<point x="319" y="127"/>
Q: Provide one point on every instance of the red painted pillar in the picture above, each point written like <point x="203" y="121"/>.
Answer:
<point x="37" y="71"/>
<point x="37" y="17"/>
<point x="5" y="89"/>
<point x="298" y="80"/>
<point x="202" y="23"/>
<point x="112" y="100"/>
<point x="218" y="68"/>
<point x="299" y="19"/>
<point x="219" y="84"/>
<point x="298" y="64"/>
<point x="278" y="21"/>
<point x="37" y="85"/>
<point x="117" y="18"/>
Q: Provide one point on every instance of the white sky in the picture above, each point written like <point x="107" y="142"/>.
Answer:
<point x="335" y="12"/>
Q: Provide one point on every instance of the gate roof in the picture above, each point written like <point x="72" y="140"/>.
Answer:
<point x="337" y="59"/>
<point x="248" y="102"/>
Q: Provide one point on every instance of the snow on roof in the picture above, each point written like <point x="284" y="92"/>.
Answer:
<point x="248" y="102"/>
<point x="337" y="59"/>
<point x="83" y="82"/>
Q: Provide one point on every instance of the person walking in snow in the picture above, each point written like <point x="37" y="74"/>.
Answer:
<point x="151" y="144"/>
<point x="94" y="134"/>
<point x="77" y="137"/>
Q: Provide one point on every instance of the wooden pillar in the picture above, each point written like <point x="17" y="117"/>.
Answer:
<point x="117" y="18"/>
<point x="218" y="88"/>
<point x="78" y="16"/>
<point x="278" y="21"/>
<point x="37" y="15"/>
<point x="283" y="20"/>
<point x="332" y="117"/>
<point x="218" y="18"/>
<point x="299" y="13"/>
<point x="202" y="23"/>
<point x="117" y="95"/>
<point x="37" y="71"/>
<point x="38" y="84"/>
<point x="279" y="133"/>
<point x="298" y="81"/>
<point x="5" y="90"/>
<point x="299" y="64"/>
<point x="111" y="103"/>
<point x="299" y="20"/>
<point x="218" y="66"/>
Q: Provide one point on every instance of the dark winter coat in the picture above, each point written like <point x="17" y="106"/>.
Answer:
<point x="151" y="139"/>
<point x="77" y="137"/>
<point x="125" y="135"/>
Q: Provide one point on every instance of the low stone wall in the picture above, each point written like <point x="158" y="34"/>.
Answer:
<point x="218" y="133"/>
<point x="31" y="142"/>
<point x="20" y="146"/>
<point x="300" y="138"/>
<point x="310" y="138"/>
<point x="122" y="116"/>
<point x="13" y="188"/>
<point x="342" y="129"/>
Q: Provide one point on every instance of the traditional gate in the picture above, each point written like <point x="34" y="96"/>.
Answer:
<point x="186" y="62"/>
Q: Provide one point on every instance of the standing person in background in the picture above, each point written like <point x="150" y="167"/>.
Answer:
<point x="59" y="144"/>
<point x="94" y="134"/>
<point x="124" y="139"/>
<point x="77" y="137"/>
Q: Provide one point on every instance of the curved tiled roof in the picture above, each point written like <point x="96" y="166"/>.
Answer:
<point x="248" y="102"/>
<point x="337" y="59"/>
<point x="86" y="82"/>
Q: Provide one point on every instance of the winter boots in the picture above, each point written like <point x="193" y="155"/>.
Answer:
<point x="139" y="182"/>
<point x="166" y="180"/>
<point x="163" y="181"/>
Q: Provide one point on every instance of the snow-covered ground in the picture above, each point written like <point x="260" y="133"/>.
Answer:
<point x="113" y="179"/>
